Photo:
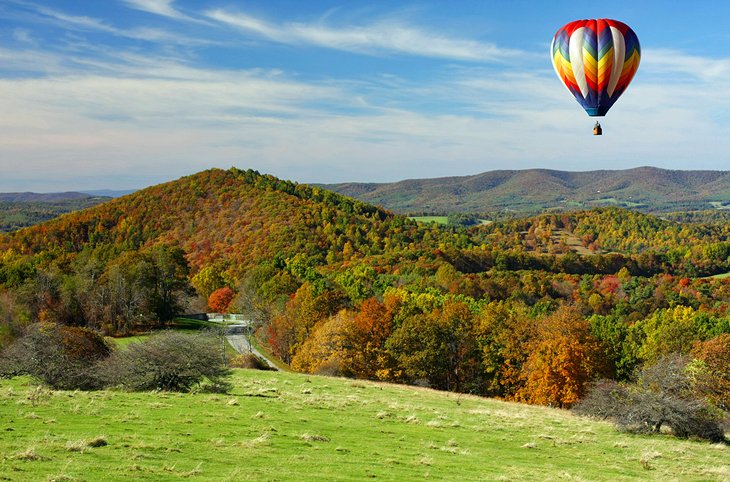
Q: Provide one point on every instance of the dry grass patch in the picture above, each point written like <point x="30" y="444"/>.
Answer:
<point x="647" y="458"/>
<point x="307" y="437"/>
<point x="29" y="455"/>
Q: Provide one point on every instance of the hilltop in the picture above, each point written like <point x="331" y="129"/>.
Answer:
<point x="647" y="189"/>
<point x="232" y="217"/>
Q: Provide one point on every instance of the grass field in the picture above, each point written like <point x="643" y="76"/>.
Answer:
<point x="123" y="343"/>
<point x="441" y="220"/>
<point x="285" y="426"/>
<point x="431" y="219"/>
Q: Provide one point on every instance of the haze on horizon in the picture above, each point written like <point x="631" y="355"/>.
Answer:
<point x="127" y="93"/>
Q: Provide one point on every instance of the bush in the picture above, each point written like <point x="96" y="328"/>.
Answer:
<point x="661" y="396"/>
<point x="249" y="360"/>
<point x="169" y="361"/>
<point x="62" y="357"/>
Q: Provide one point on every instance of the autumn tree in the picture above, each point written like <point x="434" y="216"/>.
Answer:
<point x="221" y="299"/>
<point x="563" y="358"/>
<point x="324" y="350"/>
<point x="711" y="369"/>
<point x="366" y="355"/>
<point x="207" y="280"/>
<point x="437" y="348"/>
<point x="503" y="330"/>
<point x="288" y="331"/>
<point x="673" y="330"/>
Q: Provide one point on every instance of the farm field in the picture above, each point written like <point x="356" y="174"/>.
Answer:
<point x="285" y="426"/>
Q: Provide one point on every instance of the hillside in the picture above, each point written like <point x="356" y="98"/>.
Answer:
<point x="19" y="210"/>
<point x="530" y="191"/>
<point x="231" y="217"/>
<point x="280" y="426"/>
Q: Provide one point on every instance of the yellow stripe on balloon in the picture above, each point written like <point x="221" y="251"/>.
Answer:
<point x="605" y="66"/>
<point x="590" y="65"/>
<point x="565" y="68"/>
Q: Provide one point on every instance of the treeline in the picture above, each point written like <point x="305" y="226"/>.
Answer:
<point x="526" y="336"/>
<point x="100" y="288"/>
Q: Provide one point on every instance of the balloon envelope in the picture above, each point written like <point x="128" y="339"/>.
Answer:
<point x="596" y="60"/>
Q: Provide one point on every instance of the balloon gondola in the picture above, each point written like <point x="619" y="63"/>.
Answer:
<point x="596" y="60"/>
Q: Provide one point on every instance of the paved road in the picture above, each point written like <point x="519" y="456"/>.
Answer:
<point x="240" y="343"/>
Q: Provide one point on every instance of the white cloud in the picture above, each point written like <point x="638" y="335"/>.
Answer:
<point x="667" y="61"/>
<point x="158" y="7"/>
<point x="167" y="121"/>
<point x="91" y="24"/>
<point x="373" y="38"/>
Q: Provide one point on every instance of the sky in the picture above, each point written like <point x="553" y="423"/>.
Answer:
<point x="123" y="94"/>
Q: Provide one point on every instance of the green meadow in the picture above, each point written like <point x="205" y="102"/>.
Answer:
<point x="286" y="426"/>
<point x="431" y="219"/>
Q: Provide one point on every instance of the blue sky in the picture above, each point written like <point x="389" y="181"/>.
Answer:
<point x="128" y="93"/>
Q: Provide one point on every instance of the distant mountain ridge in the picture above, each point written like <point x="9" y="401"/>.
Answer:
<point x="648" y="189"/>
<point x="34" y="197"/>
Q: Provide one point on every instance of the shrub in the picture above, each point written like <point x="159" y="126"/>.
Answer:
<point x="661" y="396"/>
<point x="249" y="360"/>
<point x="169" y="361"/>
<point x="62" y="357"/>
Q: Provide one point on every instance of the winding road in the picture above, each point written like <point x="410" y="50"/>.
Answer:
<point x="236" y="336"/>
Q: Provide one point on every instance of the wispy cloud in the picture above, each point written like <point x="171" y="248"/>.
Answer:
<point x="23" y="36"/>
<point x="91" y="24"/>
<point x="158" y="7"/>
<point x="667" y="61"/>
<point x="379" y="37"/>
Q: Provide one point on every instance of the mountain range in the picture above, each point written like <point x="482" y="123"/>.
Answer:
<point x="647" y="189"/>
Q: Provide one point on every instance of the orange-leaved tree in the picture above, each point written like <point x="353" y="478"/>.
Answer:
<point x="220" y="300"/>
<point x="712" y="374"/>
<point x="563" y="358"/>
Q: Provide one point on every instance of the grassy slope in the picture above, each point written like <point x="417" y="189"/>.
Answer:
<point x="284" y="426"/>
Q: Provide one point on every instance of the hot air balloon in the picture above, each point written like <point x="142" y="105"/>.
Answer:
<point x="596" y="60"/>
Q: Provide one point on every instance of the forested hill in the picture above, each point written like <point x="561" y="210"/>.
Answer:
<point x="235" y="218"/>
<point x="647" y="189"/>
